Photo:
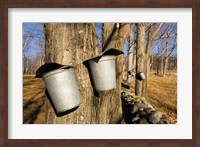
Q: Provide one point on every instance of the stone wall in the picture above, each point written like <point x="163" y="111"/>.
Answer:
<point x="137" y="110"/>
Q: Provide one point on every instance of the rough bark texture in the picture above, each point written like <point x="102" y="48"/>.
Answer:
<point x="70" y="44"/>
<point x="113" y="37"/>
<point x="131" y="59"/>
<point x="130" y="53"/>
<point x="65" y="44"/>
<point x="133" y="80"/>
<point x="140" y="57"/>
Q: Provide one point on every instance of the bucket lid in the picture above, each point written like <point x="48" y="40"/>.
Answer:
<point x="111" y="51"/>
<point x="104" y="58"/>
<point x="49" y="67"/>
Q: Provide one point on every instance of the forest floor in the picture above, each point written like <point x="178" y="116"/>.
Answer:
<point x="33" y="100"/>
<point x="162" y="94"/>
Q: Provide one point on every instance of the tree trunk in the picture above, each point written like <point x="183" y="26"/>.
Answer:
<point x="70" y="44"/>
<point x="111" y="100"/>
<point x="132" y="58"/>
<point x="130" y="54"/>
<point x="140" y="57"/>
<point x="151" y="64"/>
<point x="165" y="60"/>
<point x="161" y="65"/>
<point x="132" y="81"/>
<point x="148" y="49"/>
<point x="151" y="35"/>
<point x="165" y="67"/>
<point x="25" y="65"/>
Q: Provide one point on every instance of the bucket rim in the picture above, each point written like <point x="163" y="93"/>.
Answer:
<point x="69" y="108"/>
<point x="55" y="71"/>
<point x="112" y="51"/>
<point x="104" y="58"/>
<point x="49" y="66"/>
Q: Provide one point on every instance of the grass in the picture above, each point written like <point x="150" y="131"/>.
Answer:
<point x="33" y="100"/>
<point x="162" y="94"/>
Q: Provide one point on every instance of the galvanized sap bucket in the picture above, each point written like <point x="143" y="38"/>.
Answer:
<point x="103" y="69"/>
<point x="140" y="76"/>
<point x="62" y="88"/>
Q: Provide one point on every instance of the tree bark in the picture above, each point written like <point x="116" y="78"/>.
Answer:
<point x="152" y="62"/>
<point x="161" y="62"/>
<point x="132" y="58"/>
<point x="65" y="44"/>
<point x="113" y="37"/>
<point x="140" y="57"/>
<point x="130" y="54"/>
<point x="70" y="44"/>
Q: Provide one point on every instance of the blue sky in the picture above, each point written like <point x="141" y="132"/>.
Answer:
<point x="35" y="34"/>
<point x="37" y="39"/>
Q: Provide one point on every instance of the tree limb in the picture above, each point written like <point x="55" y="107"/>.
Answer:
<point x="166" y="36"/>
<point x="157" y="30"/>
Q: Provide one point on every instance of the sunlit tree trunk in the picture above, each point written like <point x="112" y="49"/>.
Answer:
<point x="132" y="58"/>
<point x="140" y="57"/>
<point x="113" y="37"/>
<point x="165" y="61"/>
<point x="130" y="54"/>
<point x="160" y="65"/>
<point x="70" y="44"/>
<point x="152" y="62"/>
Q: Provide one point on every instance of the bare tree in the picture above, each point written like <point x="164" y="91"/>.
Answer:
<point x="164" y="52"/>
<point x="152" y="32"/>
<point x="168" y="52"/>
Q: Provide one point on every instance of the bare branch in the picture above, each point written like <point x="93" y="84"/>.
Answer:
<point x="172" y="49"/>
<point x="157" y="30"/>
<point x="166" y="36"/>
<point x="26" y="42"/>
